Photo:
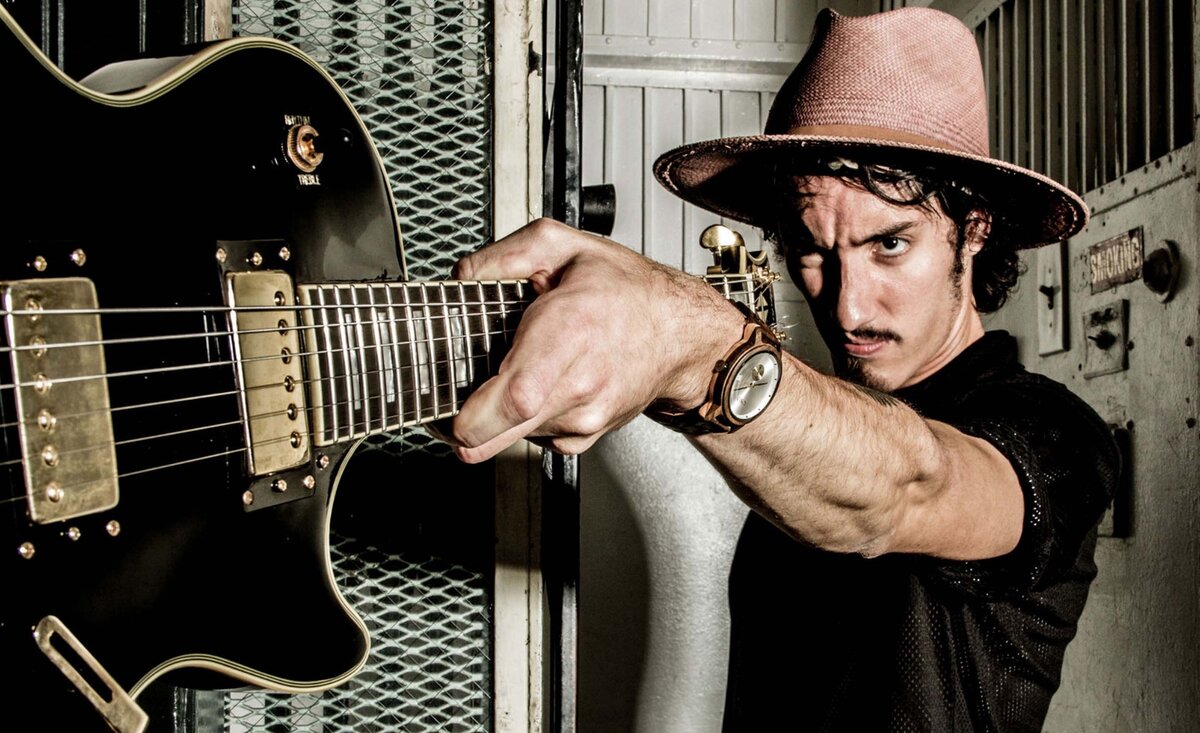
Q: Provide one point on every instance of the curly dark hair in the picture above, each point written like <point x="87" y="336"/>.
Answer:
<point x="997" y="267"/>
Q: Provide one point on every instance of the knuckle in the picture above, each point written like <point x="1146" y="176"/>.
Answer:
<point x="464" y="269"/>
<point x="590" y="421"/>
<point x="544" y="227"/>
<point x="525" y="396"/>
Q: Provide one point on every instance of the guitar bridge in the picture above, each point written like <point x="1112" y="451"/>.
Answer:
<point x="65" y="427"/>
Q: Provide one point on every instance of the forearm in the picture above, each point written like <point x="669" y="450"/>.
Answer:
<point x="832" y="463"/>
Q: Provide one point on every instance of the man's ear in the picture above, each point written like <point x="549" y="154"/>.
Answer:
<point x="978" y="229"/>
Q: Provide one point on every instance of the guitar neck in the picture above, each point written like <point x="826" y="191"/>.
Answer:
<point x="382" y="356"/>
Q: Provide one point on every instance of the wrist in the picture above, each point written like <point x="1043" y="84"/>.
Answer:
<point x="737" y="387"/>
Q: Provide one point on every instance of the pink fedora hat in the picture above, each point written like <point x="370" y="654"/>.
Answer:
<point x="904" y="88"/>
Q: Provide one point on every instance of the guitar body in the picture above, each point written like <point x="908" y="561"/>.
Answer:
<point x="149" y="185"/>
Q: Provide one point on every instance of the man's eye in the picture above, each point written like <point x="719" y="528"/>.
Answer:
<point x="892" y="246"/>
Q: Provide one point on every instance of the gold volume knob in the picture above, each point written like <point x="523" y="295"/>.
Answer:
<point x="301" y="148"/>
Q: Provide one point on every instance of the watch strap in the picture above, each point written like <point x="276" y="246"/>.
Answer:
<point x="711" y="416"/>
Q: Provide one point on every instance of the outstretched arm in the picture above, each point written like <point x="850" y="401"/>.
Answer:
<point x="831" y="463"/>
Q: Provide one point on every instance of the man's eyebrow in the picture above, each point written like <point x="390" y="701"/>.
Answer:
<point x="890" y="231"/>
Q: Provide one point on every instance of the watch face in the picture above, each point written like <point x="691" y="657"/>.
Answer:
<point x="753" y="385"/>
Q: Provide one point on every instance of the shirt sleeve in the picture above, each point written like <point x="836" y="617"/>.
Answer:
<point x="1068" y="466"/>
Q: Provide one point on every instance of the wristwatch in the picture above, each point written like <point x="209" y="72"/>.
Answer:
<point x="742" y="384"/>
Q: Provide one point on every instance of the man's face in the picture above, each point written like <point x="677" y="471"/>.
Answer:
<point x="881" y="281"/>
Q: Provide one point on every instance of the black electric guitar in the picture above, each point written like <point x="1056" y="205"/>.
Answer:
<point x="205" y="312"/>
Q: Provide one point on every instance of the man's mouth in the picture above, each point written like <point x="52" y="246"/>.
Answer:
<point x="865" y="345"/>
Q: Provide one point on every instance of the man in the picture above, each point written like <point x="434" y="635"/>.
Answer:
<point x="924" y="522"/>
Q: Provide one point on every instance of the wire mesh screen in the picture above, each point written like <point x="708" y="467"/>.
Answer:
<point x="412" y="555"/>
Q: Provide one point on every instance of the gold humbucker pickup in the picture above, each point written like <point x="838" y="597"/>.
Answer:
<point x="268" y="354"/>
<point x="57" y="355"/>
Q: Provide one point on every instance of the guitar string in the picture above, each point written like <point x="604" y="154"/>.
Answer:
<point x="353" y="381"/>
<point x="386" y="348"/>
<point x="356" y="434"/>
<point x="224" y="310"/>
<point x="274" y="329"/>
<point x="356" y="426"/>
<point x="427" y="320"/>
<point x="362" y="348"/>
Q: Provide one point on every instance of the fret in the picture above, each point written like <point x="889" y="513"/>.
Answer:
<point x="448" y="343"/>
<point x="458" y="347"/>
<point x="360" y="408"/>
<point x="383" y="371"/>
<point x="397" y="361"/>
<point x="331" y="412"/>
<point x="474" y="362"/>
<point x="366" y="354"/>
<point x="348" y="363"/>
<point x="430" y="345"/>
<point x="417" y="342"/>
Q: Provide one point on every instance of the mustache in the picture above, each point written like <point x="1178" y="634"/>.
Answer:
<point x="875" y="334"/>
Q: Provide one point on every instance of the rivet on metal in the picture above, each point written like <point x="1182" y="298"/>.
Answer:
<point x="295" y="439"/>
<point x="50" y="455"/>
<point x="247" y="497"/>
<point x="46" y="420"/>
<point x="222" y="255"/>
<point x="309" y="482"/>
<point x="33" y="304"/>
<point x="41" y="383"/>
<point x="322" y="462"/>
<point x="289" y="383"/>
<point x="279" y="485"/>
<point x="113" y="528"/>
<point x="292" y="411"/>
<point x="279" y="299"/>
<point x="39" y="263"/>
<point x="286" y="355"/>
<point x="26" y="550"/>
<point x="39" y="346"/>
<point x="256" y="259"/>
<point x="54" y="492"/>
<point x="283" y="327"/>
<point x="285" y="254"/>
<point x="74" y="534"/>
<point x="79" y="257"/>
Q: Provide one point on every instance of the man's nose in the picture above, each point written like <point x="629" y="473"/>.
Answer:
<point x="855" y="297"/>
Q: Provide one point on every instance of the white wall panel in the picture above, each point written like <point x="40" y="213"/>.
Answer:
<point x="626" y="17"/>
<point x="623" y="161"/>
<point x="786" y="21"/>
<point x="712" y="19"/>
<point x="663" y="211"/>
<point x="593" y="17"/>
<point x="754" y="20"/>
<point x="701" y="121"/>
<point x="592" y="164"/>
<point x="670" y="18"/>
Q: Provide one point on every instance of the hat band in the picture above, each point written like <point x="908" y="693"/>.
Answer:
<point x="875" y="134"/>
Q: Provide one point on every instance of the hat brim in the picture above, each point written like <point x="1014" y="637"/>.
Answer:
<point x="734" y="176"/>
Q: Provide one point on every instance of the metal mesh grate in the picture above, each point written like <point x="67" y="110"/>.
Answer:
<point x="416" y="566"/>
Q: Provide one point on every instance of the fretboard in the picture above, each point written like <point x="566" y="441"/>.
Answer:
<point x="389" y="355"/>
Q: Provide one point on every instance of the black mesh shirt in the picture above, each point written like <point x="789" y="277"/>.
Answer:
<point x="830" y="642"/>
